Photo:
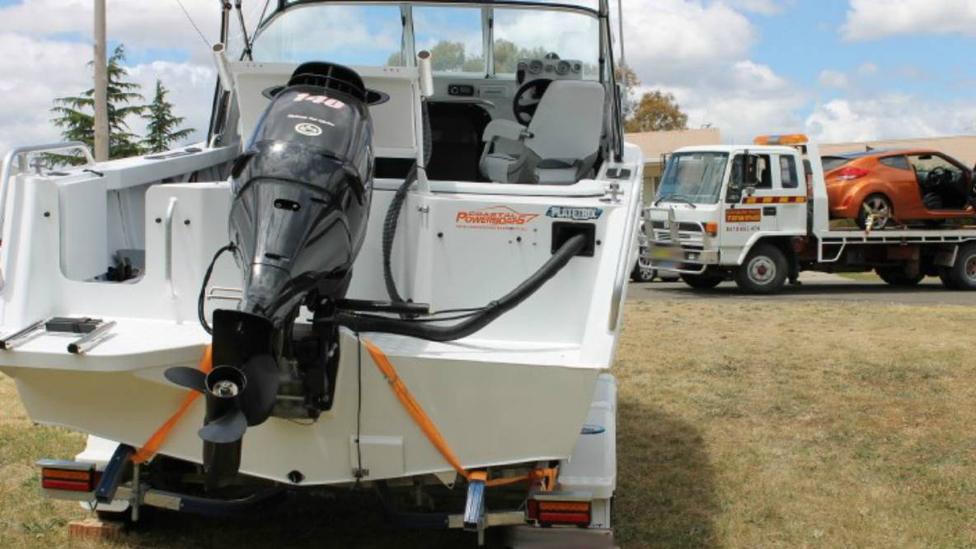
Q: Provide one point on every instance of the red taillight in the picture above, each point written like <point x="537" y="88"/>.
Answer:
<point x="849" y="174"/>
<point x="559" y="512"/>
<point x="72" y="480"/>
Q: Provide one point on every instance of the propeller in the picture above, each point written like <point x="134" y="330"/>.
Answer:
<point x="237" y="398"/>
<point x="240" y="392"/>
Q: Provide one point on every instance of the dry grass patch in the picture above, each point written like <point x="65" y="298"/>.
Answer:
<point x="755" y="424"/>
<point x="742" y="424"/>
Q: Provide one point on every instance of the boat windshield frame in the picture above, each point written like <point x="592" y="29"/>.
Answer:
<point x="606" y="69"/>
<point x="283" y="5"/>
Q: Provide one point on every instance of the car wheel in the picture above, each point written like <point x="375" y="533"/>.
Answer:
<point x="879" y="206"/>
<point x="764" y="272"/>
<point x="962" y="275"/>
<point x="703" y="281"/>
<point x="643" y="272"/>
<point x="896" y="276"/>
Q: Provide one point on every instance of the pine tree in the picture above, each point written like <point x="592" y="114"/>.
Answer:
<point x="74" y="115"/>
<point x="162" y="123"/>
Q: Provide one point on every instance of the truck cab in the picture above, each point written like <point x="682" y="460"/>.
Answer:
<point x="715" y="203"/>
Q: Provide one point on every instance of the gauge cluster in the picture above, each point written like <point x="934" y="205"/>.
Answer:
<point x="550" y="68"/>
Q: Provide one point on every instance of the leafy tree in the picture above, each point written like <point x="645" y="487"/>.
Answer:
<point x="75" y="115"/>
<point x="631" y="82"/>
<point x="507" y="55"/>
<point x="162" y="123"/>
<point x="451" y="56"/>
<point x="657" y="111"/>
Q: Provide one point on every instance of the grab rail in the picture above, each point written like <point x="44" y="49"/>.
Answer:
<point x="15" y="153"/>
<point x="622" y="269"/>
<point x="168" y="227"/>
<point x="7" y="173"/>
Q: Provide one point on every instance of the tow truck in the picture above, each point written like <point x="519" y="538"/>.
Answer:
<point x="759" y="215"/>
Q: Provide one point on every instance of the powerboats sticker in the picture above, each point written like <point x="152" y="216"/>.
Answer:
<point x="494" y="218"/>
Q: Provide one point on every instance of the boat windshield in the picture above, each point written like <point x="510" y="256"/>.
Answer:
<point x="378" y="34"/>
<point x="694" y="178"/>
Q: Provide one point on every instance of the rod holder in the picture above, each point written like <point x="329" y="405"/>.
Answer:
<point x="223" y="67"/>
<point x="426" y="73"/>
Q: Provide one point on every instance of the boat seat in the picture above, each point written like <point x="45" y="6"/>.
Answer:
<point x="560" y="145"/>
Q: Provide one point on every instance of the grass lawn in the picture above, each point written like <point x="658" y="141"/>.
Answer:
<point x="742" y="424"/>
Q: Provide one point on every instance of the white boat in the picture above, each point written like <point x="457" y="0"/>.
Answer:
<point x="104" y="265"/>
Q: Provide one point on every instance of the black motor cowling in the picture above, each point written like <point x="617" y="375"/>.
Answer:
<point x="302" y="190"/>
<point x="301" y="199"/>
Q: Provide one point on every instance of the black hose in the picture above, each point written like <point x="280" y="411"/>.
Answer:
<point x="492" y="311"/>
<point x="203" y="289"/>
<point x="389" y="233"/>
<point x="393" y="213"/>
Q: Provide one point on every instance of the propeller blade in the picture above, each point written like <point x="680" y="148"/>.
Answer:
<point x="258" y="400"/>
<point x="226" y="429"/>
<point x="190" y="378"/>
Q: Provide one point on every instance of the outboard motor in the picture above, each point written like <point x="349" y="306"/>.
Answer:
<point x="302" y="194"/>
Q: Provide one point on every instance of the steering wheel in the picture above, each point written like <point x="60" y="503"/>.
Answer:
<point x="938" y="177"/>
<point x="527" y="100"/>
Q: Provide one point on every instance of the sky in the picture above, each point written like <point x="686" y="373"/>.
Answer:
<point x="838" y="70"/>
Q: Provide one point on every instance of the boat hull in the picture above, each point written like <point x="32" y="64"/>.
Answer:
<point x="491" y="413"/>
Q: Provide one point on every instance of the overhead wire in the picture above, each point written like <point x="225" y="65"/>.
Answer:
<point x="193" y="23"/>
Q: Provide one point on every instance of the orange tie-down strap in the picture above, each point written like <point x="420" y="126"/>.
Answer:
<point x="546" y="475"/>
<point x="157" y="439"/>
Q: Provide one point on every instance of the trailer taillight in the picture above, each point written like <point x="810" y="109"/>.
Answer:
<point x="850" y="173"/>
<point x="69" y="479"/>
<point x="556" y="512"/>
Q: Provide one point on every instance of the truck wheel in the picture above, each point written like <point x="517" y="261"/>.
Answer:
<point x="764" y="271"/>
<point x="705" y="281"/>
<point x="962" y="275"/>
<point x="896" y="276"/>
<point x="643" y="272"/>
<point x="879" y="206"/>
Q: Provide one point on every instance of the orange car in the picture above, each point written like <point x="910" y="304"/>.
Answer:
<point x="898" y="187"/>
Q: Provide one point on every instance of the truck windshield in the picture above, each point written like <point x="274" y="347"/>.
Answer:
<point x="695" y="178"/>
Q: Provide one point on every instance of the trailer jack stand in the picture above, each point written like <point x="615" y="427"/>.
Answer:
<point x="474" y="507"/>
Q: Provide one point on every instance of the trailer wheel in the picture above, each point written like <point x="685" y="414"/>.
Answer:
<point x="764" y="271"/>
<point x="896" y="276"/>
<point x="962" y="275"/>
<point x="705" y="281"/>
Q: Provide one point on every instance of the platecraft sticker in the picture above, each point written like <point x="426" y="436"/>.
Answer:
<point x="574" y="214"/>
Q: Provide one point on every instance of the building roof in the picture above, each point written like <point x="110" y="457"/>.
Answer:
<point x="657" y="144"/>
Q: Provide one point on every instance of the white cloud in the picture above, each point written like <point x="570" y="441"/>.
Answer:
<point x="45" y="46"/>
<point x="888" y="117"/>
<point x="833" y="79"/>
<point x="764" y="7"/>
<point x="874" y="19"/>
<point x="700" y="52"/>
<point x="679" y="38"/>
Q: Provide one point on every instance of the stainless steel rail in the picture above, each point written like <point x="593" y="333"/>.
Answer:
<point x="623" y="269"/>
<point x="91" y="339"/>
<point x="15" y="155"/>
<point x="17" y="152"/>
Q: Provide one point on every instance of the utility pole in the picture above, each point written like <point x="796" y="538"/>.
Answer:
<point x="620" y="20"/>
<point x="101" y="84"/>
